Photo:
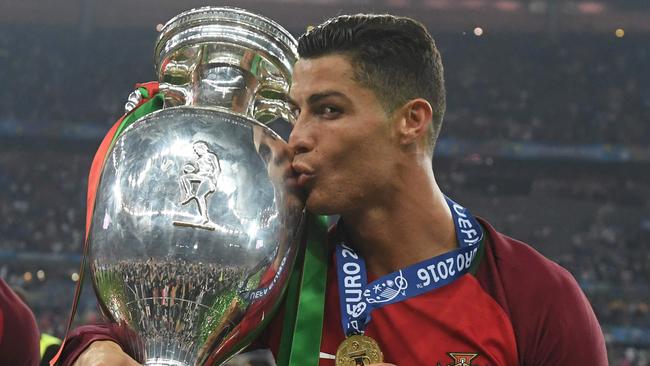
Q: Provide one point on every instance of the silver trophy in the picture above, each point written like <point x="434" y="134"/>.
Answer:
<point x="197" y="215"/>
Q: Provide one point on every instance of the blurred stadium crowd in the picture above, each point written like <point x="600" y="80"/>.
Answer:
<point x="592" y="216"/>
<point x="576" y="89"/>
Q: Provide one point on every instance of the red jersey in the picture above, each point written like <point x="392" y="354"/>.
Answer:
<point x="459" y="318"/>
<point x="518" y="308"/>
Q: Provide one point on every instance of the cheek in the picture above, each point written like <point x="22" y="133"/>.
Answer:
<point x="355" y="174"/>
<point x="333" y="196"/>
<point x="353" y="162"/>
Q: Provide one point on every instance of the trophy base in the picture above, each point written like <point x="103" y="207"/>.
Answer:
<point x="164" y="362"/>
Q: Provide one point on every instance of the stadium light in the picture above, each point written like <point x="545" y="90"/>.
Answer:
<point x="478" y="31"/>
<point x="619" y="32"/>
<point x="27" y="276"/>
<point x="74" y="277"/>
<point x="40" y="274"/>
<point x="507" y="5"/>
<point x="591" y="7"/>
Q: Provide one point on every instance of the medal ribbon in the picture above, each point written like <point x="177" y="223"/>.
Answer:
<point x="358" y="299"/>
<point x="305" y="302"/>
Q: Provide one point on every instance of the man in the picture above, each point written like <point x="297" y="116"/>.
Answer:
<point x="444" y="288"/>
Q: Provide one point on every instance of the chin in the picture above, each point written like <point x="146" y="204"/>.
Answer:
<point x="319" y="206"/>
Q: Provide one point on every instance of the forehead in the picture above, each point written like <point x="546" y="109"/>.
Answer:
<point x="331" y="72"/>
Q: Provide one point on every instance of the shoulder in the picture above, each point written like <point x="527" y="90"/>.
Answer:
<point x="18" y="330"/>
<point x="518" y="263"/>
<point x="551" y="316"/>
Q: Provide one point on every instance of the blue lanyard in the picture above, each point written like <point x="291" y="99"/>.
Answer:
<point x="358" y="299"/>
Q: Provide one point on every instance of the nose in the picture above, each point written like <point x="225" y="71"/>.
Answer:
<point x="300" y="139"/>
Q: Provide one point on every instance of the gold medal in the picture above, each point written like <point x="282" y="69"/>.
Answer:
<point x="358" y="350"/>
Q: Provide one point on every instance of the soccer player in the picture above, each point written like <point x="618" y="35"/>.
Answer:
<point x="413" y="278"/>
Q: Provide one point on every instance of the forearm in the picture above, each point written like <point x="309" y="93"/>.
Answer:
<point x="79" y="340"/>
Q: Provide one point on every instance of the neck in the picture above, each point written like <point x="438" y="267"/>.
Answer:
<point x="411" y="225"/>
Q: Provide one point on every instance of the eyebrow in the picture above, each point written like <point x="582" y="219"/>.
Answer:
<point x="315" y="98"/>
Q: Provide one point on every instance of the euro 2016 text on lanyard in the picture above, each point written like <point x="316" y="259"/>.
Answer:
<point x="358" y="298"/>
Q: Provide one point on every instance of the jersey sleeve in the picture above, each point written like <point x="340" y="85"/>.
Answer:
<point x="563" y="329"/>
<point x="81" y="338"/>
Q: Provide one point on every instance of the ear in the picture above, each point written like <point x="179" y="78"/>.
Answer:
<point x="414" y="122"/>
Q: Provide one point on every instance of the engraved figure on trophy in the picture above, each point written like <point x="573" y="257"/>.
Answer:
<point x="199" y="180"/>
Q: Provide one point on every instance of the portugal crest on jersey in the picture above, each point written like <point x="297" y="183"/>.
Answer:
<point x="462" y="359"/>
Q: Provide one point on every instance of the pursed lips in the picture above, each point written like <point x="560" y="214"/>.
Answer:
<point x="305" y="173"/>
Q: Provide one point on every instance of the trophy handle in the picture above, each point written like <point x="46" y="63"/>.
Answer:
<point x="267" y="109"/>
<point x="175" y="95"/>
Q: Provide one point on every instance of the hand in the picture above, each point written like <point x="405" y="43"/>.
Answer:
<point x="104" y="353"/>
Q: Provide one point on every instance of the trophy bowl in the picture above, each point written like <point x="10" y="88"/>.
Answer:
<point x="197" y="215"/>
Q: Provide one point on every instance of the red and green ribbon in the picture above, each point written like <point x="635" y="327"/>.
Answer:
<point x="305" y="302"/>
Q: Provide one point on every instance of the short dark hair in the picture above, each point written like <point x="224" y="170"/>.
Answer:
<point x="393" y="56"/>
